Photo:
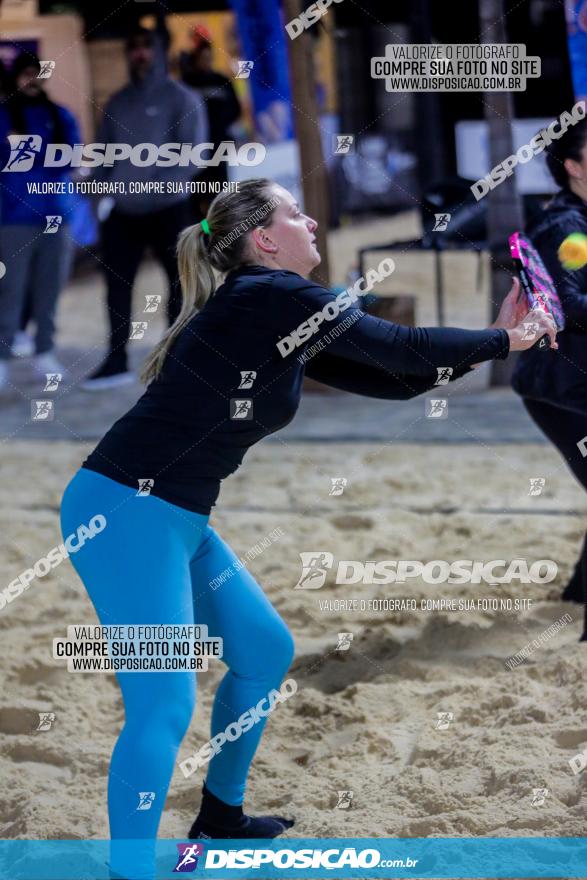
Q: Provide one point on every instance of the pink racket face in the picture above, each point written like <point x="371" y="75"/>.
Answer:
<point x="536" y="281"/>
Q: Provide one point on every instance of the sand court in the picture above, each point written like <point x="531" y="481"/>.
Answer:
<point x="364" y="719"/>
<point x="420" y="716"/>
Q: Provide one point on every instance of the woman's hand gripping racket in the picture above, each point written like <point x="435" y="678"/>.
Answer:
<point x="536" y="285"/>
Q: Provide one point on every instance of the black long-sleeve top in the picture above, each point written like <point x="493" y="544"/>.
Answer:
<point x="558" y="377"/>
<point x="183" y="433"/>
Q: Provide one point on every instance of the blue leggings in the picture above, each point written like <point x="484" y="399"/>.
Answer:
<point x="153" y="564"/>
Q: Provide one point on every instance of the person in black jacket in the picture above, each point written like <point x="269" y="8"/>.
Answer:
<point x="222" y="106"/>
<point x="151" y="109"/>
<point x="553" y="385"/>
<point x="216" y="89"/>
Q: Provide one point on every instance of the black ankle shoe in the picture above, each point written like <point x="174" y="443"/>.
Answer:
<point x="219" y="821"/>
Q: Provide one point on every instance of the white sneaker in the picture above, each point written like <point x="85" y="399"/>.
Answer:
<point x="23" y="345"/>
<point x="48" y="363"/>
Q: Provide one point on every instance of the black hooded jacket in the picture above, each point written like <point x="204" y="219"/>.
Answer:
<point x="559" y="377"/>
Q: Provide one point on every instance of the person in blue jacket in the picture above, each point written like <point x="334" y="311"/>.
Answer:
<point x="553" y="385"/>
<point x="158" y="561"/>
<point x="35" y="245"/>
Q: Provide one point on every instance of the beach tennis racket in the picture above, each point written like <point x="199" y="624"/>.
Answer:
<point x="536" y="283"/>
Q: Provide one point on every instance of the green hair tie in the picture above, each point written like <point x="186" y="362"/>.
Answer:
<point x="205" y="227"/>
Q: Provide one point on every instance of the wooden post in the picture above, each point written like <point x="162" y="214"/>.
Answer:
<point x="307" y="129"/>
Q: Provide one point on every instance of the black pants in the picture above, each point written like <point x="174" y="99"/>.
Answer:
<point x="564" y="429"/>
<point x="124" y="240"/>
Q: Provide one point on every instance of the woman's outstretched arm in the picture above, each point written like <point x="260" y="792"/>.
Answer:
<point x="312" y="319"/>
<point x="369" y="381"/>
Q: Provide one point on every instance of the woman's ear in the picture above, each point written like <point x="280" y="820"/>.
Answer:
<point x="573" y="169"/>
<point x="263" y="240"/>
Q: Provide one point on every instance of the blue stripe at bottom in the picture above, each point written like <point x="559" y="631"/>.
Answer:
<point x="388" y="858"/>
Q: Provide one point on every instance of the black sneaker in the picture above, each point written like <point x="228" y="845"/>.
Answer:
<point x="112" y="373"/>
<point x="220" y="821"/>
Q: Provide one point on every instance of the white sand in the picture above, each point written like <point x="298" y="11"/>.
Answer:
<point x="363" y="720"/>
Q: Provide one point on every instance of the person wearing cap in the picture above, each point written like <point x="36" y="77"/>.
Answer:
<point x="222" y="105"/>
<point x="151" y="108"/>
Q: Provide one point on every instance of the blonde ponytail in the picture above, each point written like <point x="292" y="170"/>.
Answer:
<point x="197" y="286"/>
<point x="219" y="242"/>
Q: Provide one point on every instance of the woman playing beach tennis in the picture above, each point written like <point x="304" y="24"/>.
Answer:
<point x="220" y="380"/>
<point x="553" y="387"/>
